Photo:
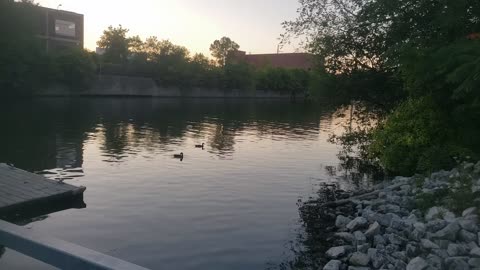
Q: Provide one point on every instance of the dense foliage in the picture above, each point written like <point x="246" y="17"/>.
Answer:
<point x="424" y="55"/>
<point x="283" y="80"/>
<point x="27" y="68"/>
<point x="222" y="48"/>
<point x="173" y="65"/>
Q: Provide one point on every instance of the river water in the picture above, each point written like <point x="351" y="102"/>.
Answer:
<point x="231" y="205"/>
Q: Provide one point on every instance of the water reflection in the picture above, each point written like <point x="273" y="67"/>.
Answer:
<point x="49" y="136"/>
<point x="229" y="206"/>
<point x="359" y="119"/>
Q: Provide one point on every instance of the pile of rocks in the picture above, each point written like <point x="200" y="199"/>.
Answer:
<point x="387" y="232"/>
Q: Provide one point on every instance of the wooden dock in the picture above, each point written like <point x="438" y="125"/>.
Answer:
<point x="20" y="191"/>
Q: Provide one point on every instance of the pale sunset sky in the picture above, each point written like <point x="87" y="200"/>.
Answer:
<point x="254" y="24"/>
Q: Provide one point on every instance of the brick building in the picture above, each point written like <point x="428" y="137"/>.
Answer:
<point x="279" y="60"/>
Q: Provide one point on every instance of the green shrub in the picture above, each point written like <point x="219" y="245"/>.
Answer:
<point x="74" y="68"/>
<point x="239" y="76"/>
<point x="415" y="137"/>
<point x="282" y="80"/>
<point x="321" y="86"/>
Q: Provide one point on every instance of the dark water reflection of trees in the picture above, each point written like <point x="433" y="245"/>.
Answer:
<point x="44" y="134"/>
<point x="313" y="238"/>
<point x="47" y="134"/>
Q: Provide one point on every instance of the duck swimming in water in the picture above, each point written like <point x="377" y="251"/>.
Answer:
<point x="178" y="155"/>
<point x="199" y="145"/>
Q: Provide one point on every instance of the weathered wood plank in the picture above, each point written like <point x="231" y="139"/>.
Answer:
<point x="19" y="187"/>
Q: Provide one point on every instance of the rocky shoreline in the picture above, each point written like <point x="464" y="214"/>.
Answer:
<point x="389" y="228"/>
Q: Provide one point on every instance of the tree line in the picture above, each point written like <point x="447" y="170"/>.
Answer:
<point x="173" y="65"/>
<point x="26" y="67"/>
<point x="421" y="58"/>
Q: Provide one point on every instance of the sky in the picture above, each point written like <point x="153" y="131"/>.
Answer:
<point x="254" y="24"/>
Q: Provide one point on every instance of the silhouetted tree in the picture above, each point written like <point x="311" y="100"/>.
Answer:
<point x="116" y="44"/>
<point x="220" y="49"/>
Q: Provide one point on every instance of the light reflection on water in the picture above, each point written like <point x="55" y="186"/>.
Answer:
<point x="231" y="205"/>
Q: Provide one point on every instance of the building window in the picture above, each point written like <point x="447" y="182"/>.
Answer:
<point x="65" y="28"/>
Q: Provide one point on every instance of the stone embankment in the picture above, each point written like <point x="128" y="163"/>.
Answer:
<point x="387" y="229"/>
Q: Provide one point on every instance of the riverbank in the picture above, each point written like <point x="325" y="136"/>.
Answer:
<point x="409" y="223"/>
<point x="127" y="86"/>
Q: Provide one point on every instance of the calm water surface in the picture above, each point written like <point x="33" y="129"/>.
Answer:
<point x="232" y="205"/>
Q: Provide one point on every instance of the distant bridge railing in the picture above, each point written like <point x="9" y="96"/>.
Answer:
<point x="58" y="253"/>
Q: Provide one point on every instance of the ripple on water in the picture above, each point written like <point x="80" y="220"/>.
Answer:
<point x="232" y="205"/>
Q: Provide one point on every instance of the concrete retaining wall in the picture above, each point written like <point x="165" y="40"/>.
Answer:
<point x="108" y="85"/>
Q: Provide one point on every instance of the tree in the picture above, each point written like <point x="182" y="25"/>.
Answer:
<point x="200" y="60"/>
<point x="152" y="48"/>
<point x="371" y="34"/>
<point x="429" y="47"/>
<point x="136" y="50"/>
<point x="115" y="43"/>
<point x="220" y="49"/>
<point x="74" y="67"/>
<point x="23" y="63"/>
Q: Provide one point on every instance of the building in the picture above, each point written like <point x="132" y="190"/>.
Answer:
<point x="58" y="29"/>
<point x="278" y="60"/>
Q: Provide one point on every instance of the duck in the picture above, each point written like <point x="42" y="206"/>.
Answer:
<point x="178" y="155"/>
<point x="199" y="145"/>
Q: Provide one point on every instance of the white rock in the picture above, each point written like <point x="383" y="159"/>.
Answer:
<point x="358" y="268"/>
<point x="333" y="265"/>
<point x="342" y="221"/>
<point x="449" y="232"/>
<point x="363" y="248"/>
<point x="457" y="263"/>
<point x="435" y="212"/>
<point x="469" y="225"/>
<point x="435" y="261"/>
<point x="359" y="259"/>
<point x="449" y="216"/>
<point x="337" y="252"/>
<point x="469" y="211"/>
<point x="455" y="250"/>
<point x="475" y="252"/>
<point x="345" y="236"/>
<point x="417" y="264"/>
<point x="373" y="230"/>
<point x="420" y="226"/>
<point x="467" y="236"/>
<point x="357" y="223"/>
<point x="427" y="244"/>
<point x="474" y="262"/>
<point x="436" y="225"/>
<point x="376" y="257"/>
<point x="360" y="238"/>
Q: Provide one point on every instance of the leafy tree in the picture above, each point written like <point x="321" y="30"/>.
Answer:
<point x="152" y="48"/>
<point x="202" y="72"/>
<point x="116" y="44"/>
<point x="74" y="68"/>
<point x="24" y="65"/>
<point x="239" y="76"/>
<point x="220" y="49"/>
<point x="282" y="80"/>
<point x="372" y="48"/>
<point x="136" y="49"/>
<point x="201" y="60"/>
<point x="369" y="35"/>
